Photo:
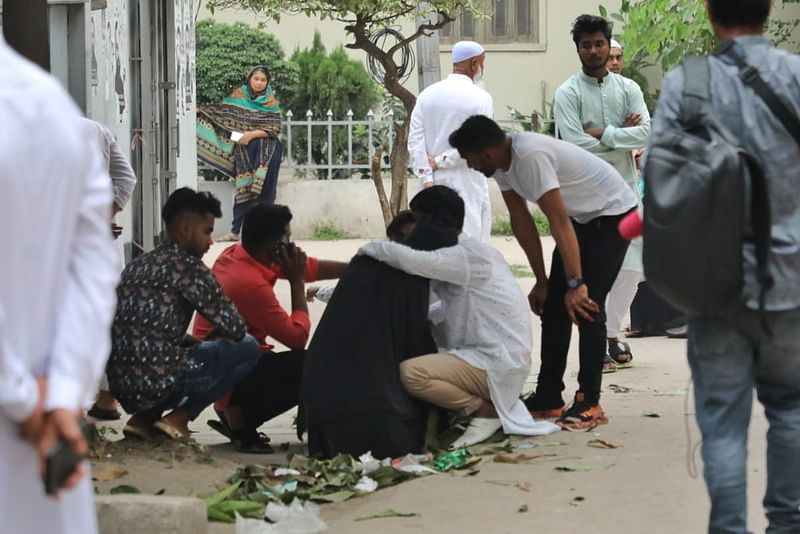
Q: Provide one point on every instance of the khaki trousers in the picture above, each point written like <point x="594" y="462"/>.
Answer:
<point x="447" y="381"/>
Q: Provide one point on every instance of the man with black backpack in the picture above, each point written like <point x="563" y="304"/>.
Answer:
<point x="723" y="170"/>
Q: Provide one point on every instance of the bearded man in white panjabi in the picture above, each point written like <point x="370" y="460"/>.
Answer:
<point x="440" y="110"/>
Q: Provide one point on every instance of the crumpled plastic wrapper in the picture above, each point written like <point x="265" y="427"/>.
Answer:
<point x="297" y="518"/>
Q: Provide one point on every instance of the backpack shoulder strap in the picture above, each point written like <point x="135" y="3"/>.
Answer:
<point x="752" y="78"/>
<point x="696" y="88"/>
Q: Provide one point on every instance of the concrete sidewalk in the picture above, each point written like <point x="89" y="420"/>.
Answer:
<point x="644" y="486"/>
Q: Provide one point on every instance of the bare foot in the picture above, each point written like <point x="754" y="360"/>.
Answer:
<point x="178" y="421"/>
<point x="486" y="411"/>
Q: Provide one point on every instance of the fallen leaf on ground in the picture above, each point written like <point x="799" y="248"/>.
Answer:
<point x="499" y="482"/>
<point x="602" y="444"/>
<point x="576" y="500"/>
<point x="387" y="513"/>
<point x="652" y="415"/>
<point x="123" y="489"/>
<point x="522" y="509"/>
<point x="160" y="492"/>
<point x="524" y="486"/>
<point x="519" y="458"/>
<point x="106" y="472"/>
<point x="616" y="388"/>
<point x="577" y="468"/>
<point x="337" y="496"/>
<point x="472" y="471"/>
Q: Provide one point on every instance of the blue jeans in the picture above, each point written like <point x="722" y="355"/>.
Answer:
<point x="212" y="369"/>
<point x="729" y="358"/>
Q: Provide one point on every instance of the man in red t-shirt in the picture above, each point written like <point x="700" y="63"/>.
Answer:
<point x="247" y="272"/>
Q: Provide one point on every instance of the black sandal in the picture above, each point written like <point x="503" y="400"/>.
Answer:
<point x="252" y="442"/>
<point x="618" y="348"/>
<point x="222" y="427"/>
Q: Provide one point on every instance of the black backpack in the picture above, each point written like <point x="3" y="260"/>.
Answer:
<point x="696" y="181"/>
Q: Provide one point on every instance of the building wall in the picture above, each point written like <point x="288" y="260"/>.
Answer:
<point x="109" y="84"/>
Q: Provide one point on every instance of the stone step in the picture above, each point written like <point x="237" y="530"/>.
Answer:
<point x="135" y="514"/>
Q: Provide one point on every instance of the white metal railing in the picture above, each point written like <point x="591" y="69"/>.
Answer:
<point x="371" y="132"/>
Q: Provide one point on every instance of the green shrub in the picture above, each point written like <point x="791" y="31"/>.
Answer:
<point x="503" y="227"/>
<point x="521" y="271"/>
<point x="330" y="81"/>
<point x="327" y="231"/>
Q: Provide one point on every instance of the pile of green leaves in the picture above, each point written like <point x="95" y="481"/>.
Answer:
<point x="252" y="487"/>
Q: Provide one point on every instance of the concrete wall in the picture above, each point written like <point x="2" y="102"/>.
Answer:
<point x="349" y="205"/>
<point x="109" y="84"/>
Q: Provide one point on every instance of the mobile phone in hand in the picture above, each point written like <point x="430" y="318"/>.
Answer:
<point x="61" y="462"/>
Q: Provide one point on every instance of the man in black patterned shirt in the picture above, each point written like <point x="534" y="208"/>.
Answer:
<point x="155" y="365"/>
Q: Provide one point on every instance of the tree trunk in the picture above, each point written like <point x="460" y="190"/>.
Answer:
<point x="399" y="166"/>
<point x="377" y="179"/>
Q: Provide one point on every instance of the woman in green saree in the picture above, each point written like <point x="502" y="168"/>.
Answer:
<point x="239" y="138"/>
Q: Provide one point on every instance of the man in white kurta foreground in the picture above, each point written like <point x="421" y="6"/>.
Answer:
<point x="440" y="110"/>
<point x="58" y="272"/>
<point x="484" y="339"/>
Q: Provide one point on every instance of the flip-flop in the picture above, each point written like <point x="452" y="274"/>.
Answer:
<point x="170" y="431"/>
<point x="102" y="414"/>
<point x="137" y="432"/>
<point x="220" y="427"/>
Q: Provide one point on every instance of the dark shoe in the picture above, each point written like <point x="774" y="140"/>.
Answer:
<point x="540" y="409"/>
<point x="620" y="353"/>
<point x="103" y="414"/>
<point x="582" y="414"/>
<point x="251" y="442"/>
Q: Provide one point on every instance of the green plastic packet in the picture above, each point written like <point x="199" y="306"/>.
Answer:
<point x="452" y="460"/>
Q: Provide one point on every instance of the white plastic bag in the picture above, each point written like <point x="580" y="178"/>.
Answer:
<point x="297" y="518"/>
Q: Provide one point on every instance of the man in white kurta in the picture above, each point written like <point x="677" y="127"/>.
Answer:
<point x="440" y="110"/>
<point x="57" y="278"/>
<point x="484" y="339"/>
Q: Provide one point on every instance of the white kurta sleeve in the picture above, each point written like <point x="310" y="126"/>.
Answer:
<point x="123" y="178"/>
<point x="18" y="389"/>
<point x="417" y="149"/>
<point x="81" y="341"/>
<point x="446" y="264"/>
<point x="325" y="293"/>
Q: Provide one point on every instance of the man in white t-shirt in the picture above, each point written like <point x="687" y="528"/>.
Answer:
<point x="584" y="199"/>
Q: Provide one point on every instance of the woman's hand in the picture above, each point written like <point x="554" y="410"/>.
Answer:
<point x="246" y="138"/>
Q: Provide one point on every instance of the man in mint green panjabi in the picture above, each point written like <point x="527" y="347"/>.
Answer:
<point x="605" y="113"/>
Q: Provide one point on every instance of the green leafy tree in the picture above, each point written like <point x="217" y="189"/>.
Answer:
<point x="362" y="18"/>
<point x="227" y="52"/>
<point x="667" y="31"/>
<point x="329" y="82"/>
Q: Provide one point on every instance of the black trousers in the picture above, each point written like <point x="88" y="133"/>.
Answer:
<point x="272" y="388"/>
<point x="602" y="252"/>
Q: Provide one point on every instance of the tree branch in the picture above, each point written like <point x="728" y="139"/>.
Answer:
<point x="428" y="26"/>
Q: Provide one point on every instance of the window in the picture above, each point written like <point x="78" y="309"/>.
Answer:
<point x="510" y="22"/>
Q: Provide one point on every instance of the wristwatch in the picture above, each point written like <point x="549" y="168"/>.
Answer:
<point x="574" y="282"/>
